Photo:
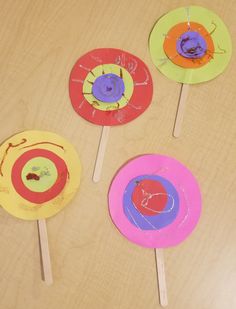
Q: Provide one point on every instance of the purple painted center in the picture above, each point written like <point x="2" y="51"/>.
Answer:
<point x="153" y="222"/>
<point x="108" y="88"/>
<point x="191" y="45"/>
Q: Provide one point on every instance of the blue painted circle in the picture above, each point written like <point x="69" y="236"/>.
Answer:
<point x="191" y="45"/>
<point x="108" y="88"/>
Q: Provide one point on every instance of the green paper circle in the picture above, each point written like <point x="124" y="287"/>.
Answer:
<point x="42" y="167"/>
<point x="220" y="37"/>
<point x="106" y="69"/>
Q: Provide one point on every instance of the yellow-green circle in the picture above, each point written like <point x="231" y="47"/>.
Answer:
<point x="220" y="37"/>
<point x="42" y="167"/>
<point x="106" y="69"/>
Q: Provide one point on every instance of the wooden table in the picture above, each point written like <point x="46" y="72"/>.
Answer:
<point x="94" y="266"/>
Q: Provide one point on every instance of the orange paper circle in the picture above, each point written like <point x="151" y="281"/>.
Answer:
<point x="172" y="53"/>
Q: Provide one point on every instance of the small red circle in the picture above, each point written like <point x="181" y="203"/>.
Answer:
<point x="149" y="197"/>
<point x="39" y="197"/>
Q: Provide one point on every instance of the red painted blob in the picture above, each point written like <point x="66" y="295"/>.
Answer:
<point x="149" y="197"/>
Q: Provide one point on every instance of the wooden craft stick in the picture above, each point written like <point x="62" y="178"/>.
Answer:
<point x="101" y="153"/>
<point x="44" y="248"/>
<point x="161" y="277"/>
<point x="180" y="111"/>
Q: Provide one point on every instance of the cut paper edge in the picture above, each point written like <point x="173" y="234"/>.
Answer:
<point x="42" y="211"/>
<point x="148" y="241"/>
<point x="201" y="74"/>
<point x="140" y="99"/>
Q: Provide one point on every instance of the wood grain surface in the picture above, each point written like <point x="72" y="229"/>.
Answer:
<point x="95" y="267"/>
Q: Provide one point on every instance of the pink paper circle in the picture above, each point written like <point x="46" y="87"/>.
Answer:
<point x="189" y="200"/>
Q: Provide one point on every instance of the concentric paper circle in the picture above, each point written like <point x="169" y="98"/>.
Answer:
<point x="192" y="26"/>
<point x="39" y="174"/>
<point x="174" y="38"/>
<point x="97" y="73"/>
<point x="38" y="183"/>
<point x="89" y="90"/>
<point x="155" y="201"/>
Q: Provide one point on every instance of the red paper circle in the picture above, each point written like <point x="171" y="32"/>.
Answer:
<point x="141" y="97"/>
<point x="39" y="197"/>
<point x="146" y="201"/>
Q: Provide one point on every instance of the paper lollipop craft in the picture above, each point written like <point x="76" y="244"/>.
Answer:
<point x="155" y="202"/>
<point x="39" y="175"/>
<point x="190" y="45"/>
<point x="109" y="87"/>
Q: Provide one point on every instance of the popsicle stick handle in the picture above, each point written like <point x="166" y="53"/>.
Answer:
<point x="180" y="111"/>
<point x="44" y="249"/>
<point x="161" y="277"/>
<point x="101" y="153"/>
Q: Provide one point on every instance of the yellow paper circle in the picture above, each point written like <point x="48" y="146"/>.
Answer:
<point x="212" y="23"/>
<point x="106" y="69"/>
<point x="20" y="143"/>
